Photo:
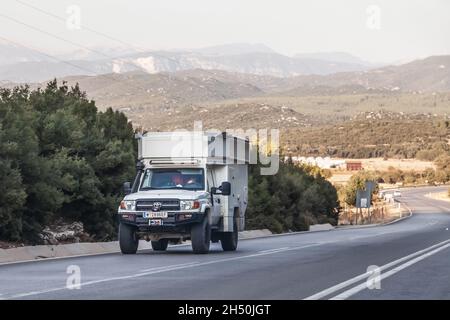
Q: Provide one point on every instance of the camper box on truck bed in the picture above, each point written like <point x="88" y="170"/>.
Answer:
<point x="189" y="185"/>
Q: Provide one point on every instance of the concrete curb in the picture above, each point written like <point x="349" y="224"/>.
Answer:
<point x="50" y="252"/>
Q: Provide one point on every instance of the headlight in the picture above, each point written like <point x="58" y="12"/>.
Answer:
<point x="189" y="205"/>
<point x="128" y="205"/>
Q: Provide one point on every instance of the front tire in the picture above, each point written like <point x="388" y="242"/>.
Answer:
<point x="128" y="239"/>
<point x="229" y="240"/>
<point x="201" y="236"/>
<point x="160" y="245"/>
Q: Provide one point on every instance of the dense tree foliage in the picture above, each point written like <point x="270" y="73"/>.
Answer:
<point x="292" y="199"/>
<point x="60" y="158"/>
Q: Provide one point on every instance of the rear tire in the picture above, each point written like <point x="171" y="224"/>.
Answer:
<point x="229" y="240"/>
<point x="201" y="236"/>
<point x="160" y="245"/>
<point x="128" y="239"/>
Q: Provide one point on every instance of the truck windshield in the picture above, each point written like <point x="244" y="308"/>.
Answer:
<point x="188" y="179"/>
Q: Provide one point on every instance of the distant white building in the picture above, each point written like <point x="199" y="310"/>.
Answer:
<point x="323" y="163"/>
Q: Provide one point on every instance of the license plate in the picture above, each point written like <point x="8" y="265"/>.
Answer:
<point x="155" y="222"/>
<point x="158" y="214"/>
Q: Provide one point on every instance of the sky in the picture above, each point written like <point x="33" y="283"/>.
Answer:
<point x="377" y="31"/>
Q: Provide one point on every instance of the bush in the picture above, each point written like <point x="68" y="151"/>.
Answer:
<point x="60" y="158"/>
<point x="291" y="200"/>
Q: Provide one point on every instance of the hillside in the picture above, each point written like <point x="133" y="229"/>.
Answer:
<point x="391" y="88"/>
<point x="430" y="74"/>
<point x="136" y="89"/>
<point x="374" y="134"/>
<point x="318" y="115"/>
<point x="220" y="117"/>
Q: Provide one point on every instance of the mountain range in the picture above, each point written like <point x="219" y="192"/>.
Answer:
<point x="199" y="85"/>
<point x="25" y="65"/>
<point x="237" y="85"/>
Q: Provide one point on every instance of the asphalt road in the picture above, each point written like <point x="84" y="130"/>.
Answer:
<point x="412" y="257"/>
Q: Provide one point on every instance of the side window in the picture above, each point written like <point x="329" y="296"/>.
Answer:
<point x="146" y="181"/>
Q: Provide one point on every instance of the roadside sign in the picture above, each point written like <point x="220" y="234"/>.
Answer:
<point x="364" y="197"/>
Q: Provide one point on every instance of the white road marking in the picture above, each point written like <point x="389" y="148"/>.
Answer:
<point x="274" y="250"/>
<point x="174" y="265"/>
<point x="167" y="269"/>
<point x="347" y="294"/>
<point x="364" y="276"/>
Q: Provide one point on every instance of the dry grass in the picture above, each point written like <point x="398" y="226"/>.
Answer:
<point x="341" y="176"/>
<point x="403" y="164"/>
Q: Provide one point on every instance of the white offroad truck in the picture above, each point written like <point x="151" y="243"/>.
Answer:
<point x="188" y="186"/>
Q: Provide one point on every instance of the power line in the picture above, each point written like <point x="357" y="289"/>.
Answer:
<point x="87" y="28"/>
<point x="47" y="55"/>
<point x="53" y="35"/>
<point x="72" y="43"/>
<point x="65" y="40"/>
<point x="84" y="26"/>
<point x="109" y="76"/>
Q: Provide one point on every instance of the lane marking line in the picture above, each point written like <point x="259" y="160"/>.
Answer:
<point x="174" y="265"/>
<point x="274" y="250"/>
<point x="364" y="276"/>
<point x="350" y="292"/>
<point x="167" y="269"/>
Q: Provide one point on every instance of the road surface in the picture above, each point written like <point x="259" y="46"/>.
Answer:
<point x="412" y="257"/>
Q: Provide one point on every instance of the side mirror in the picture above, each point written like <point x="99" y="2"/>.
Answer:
<point x="127" y="188"/>
<point x="225" y="188"/>
<point x="140" y="166"/>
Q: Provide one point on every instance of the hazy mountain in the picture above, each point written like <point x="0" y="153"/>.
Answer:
<point x="96" y="53"/>
<point x="242" y="58"/>
<point x="33" y="71"/>
<point x="233" y="49"/>
<point x="430" y="74"/>
<point x="10" y="54"/>
<point x="340" y="57"/>
<point x="198" y="85"/>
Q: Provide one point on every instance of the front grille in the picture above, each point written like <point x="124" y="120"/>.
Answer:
<point x="166" y="204"/>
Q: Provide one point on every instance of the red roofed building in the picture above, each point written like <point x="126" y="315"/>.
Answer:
<point x="353" y="165"/>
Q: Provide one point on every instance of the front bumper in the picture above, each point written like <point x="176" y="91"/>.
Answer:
<point x="179" y="221"/>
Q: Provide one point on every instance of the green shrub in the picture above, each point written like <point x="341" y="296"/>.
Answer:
<point x="291" y="200"/>
<point x="60" y="158"/>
